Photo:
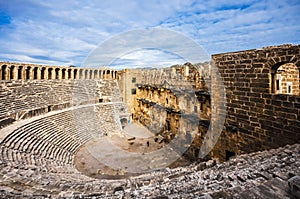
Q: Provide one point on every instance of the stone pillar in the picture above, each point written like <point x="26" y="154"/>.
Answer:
<point x="46" y="74"/>
<point x="39" y="71"/>
<point x="80" y="73"/>
<point x="91" y="74"/>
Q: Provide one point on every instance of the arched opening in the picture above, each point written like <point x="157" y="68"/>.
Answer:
<point x="63" y="73"/>
<point x="27" y="73"/>
<point x="3" y="72"/>
<point x="12" y="72"/>
<point x="95" y="74"/>
<point x="69" y="74"/>
<point x="75" y="74"/>
<point x="20" y="72"/>
<point x="57" y="73"/>
<point x="107" y="74"/>
<point x="50" y="73"/>
<point x="43" y="70"/>
<point x="124" y="122"/>
<point x="91" y="74"/>
<point x="35" y="73"/>
<point x="81" y="74"/>
<point x="86" y="74"/>
<point x="285" y="79"/>
<point x="103" y="74"/>
<point x="112" y="74"/>
<point x="116" y="77"/>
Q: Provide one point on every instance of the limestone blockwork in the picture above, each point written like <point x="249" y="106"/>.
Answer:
<point x="172" y="102"/>
<point x="263" y="102"/>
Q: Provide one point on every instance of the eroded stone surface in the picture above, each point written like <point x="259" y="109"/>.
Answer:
<point x="263" y="174"/>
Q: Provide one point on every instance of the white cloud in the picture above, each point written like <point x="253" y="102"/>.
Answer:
<point x="67" y="31"/>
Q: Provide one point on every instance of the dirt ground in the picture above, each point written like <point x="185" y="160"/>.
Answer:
<point x="115" y="156"/>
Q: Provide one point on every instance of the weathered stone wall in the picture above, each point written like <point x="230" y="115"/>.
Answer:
<point x="186" y="76"/>
<point x="174" y="102"/>
<point x="258" y="117"/>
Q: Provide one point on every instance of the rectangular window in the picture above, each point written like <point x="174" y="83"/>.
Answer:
<point x="133" y="91"/>
<point x="278" y="83"/>
<point x="133" y="80"/>
<point x="289" y="87"/>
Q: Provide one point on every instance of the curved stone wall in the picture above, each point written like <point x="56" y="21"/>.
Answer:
<point x="15" y="71"/>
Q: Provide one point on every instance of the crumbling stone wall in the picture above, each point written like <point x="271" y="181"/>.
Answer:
<point x="173" y="102"/>
<point x="257" y="116"/>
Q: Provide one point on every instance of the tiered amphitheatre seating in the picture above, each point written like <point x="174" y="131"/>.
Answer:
<point x="257" y="175"/>
<point x="58" y="137"/>
<point x="23" y="99"/>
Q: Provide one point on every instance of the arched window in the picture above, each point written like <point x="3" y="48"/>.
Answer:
<point x="50" y="73"/>
<point x="69" y="74"/>
<point x="20" y="72"/>
<point x="285" y="79"/>
<point x="35" y="71"/>
<point x="75" y="74"/>
<point x="12" y="72"/>
<point x="91" y="74"/>
<point x="43" y="70"/>
<point x="57" y="73"/>
<point x="3" y="72"/>
<point x="95" y="74"/>
<point x="86" y="74"/>
<point x="27" y="72"/>
<point x="63" y="73"/>
<point x="107" y="74"/>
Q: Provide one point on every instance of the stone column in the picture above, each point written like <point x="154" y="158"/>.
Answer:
<point x="39" y="71"/>
<point x="91" y="74"/>
<point x="46" y="73"/>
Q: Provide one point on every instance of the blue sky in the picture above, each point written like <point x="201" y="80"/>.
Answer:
<point x="65" y="32"/>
